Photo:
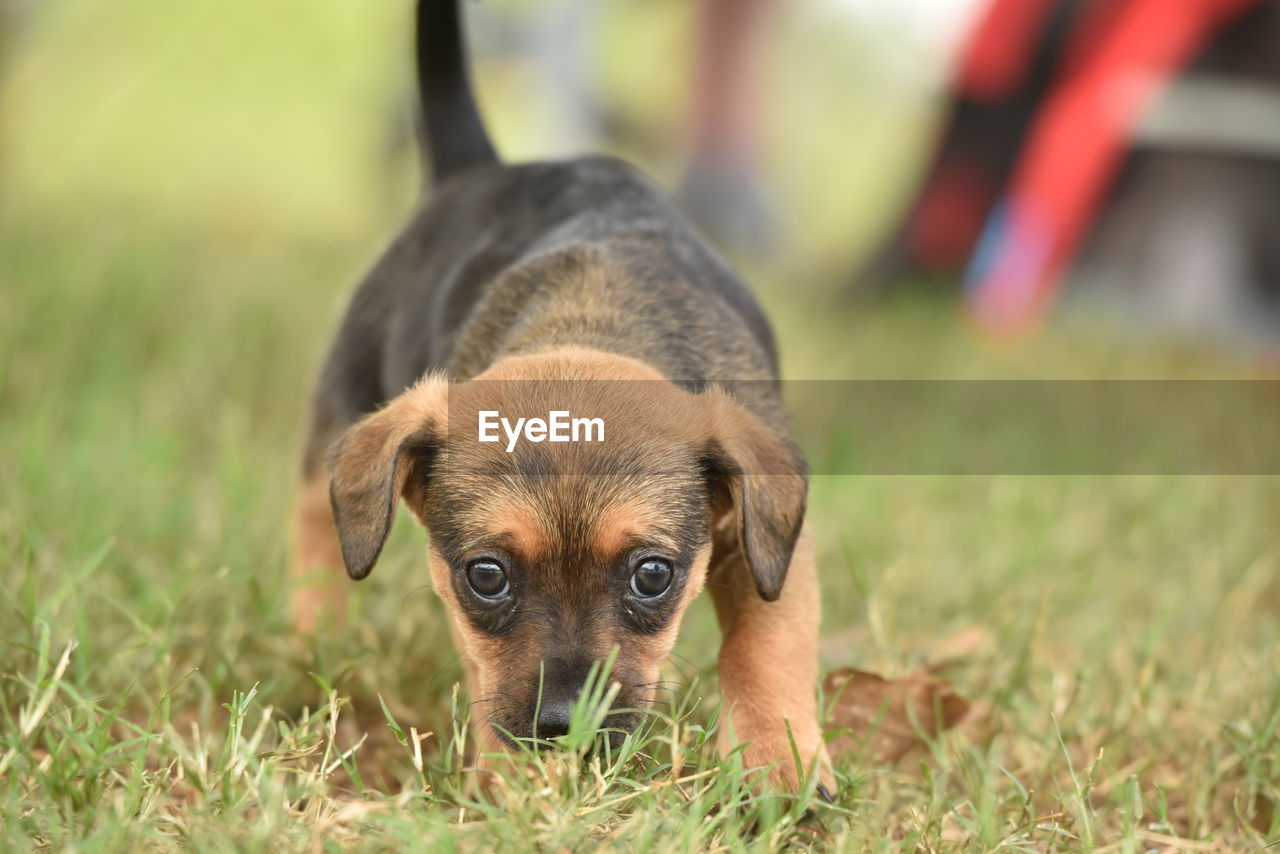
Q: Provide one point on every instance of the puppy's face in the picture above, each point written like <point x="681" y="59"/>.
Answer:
<point x="553" y="555"/>
<point x="546" y="574"/>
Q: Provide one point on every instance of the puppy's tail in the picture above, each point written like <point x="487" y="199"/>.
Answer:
<point x="454" y="135"/>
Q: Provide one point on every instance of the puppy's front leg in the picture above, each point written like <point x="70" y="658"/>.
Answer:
<point x="316" y="569"/>
<point x="769" y="664"/>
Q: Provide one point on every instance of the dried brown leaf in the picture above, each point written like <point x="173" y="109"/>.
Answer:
<point x="886" y="718"/>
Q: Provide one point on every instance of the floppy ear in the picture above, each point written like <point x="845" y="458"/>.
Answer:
<point x="762" y="478"/>
<point x="371" y="464"/>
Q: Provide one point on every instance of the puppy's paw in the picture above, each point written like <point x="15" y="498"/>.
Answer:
<point x="776" y="746"/>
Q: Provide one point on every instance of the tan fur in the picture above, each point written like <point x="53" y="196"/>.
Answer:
<point x="619" y="524"/>
<point x="319" y="582"/>
<point x="571" y="363"/>
<point x="768" y="666"/>
<point x="517" y="522"/>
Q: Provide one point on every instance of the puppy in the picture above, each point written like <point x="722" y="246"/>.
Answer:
<point x="653" y="458"/>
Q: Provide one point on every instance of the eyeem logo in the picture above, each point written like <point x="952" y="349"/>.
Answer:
<point x="558" y="426"/>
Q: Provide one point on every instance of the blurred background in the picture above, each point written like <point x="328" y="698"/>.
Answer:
<point x="1021" y="158"/>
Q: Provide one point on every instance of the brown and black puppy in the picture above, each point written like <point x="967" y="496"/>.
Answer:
<point x="573" y="288"/>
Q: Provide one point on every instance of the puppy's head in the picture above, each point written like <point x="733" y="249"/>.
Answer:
<point x="552" y="554"/>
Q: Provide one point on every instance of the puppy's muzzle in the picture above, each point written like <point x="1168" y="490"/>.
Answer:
<point x="554" y="695"/>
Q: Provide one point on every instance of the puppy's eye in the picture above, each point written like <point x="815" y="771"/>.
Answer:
<point x="487" y="578"/>
<point x="651" y="578"/>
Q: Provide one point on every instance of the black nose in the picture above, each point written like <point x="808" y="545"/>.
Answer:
<point x="553" y="718"/>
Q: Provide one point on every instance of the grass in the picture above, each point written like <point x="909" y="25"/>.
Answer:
<point x="160" y="320"/>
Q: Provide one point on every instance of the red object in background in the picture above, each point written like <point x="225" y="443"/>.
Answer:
<point x="1001" y="48"/>
<point x="949" y="217"/>
<point x="1115" y="66"/>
